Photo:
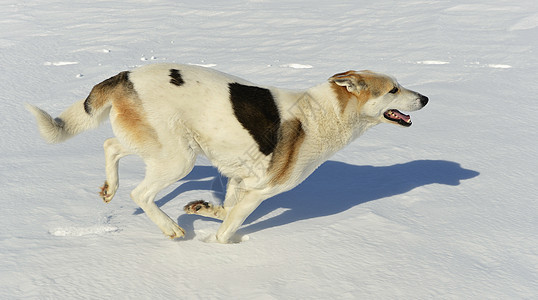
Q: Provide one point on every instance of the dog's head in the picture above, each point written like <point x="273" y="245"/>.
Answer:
<point x="378" y="97"/>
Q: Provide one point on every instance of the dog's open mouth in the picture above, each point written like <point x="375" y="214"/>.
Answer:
<point x="396" y="116"/>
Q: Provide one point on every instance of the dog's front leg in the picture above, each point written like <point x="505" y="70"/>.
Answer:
<point x="248" y="202"/>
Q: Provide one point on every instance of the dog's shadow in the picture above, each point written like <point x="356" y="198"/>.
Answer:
<point x="333" y="188"/>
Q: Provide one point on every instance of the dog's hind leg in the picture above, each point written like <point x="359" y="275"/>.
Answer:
<point x="160" y="173"/>
<point x="114" y="150"/>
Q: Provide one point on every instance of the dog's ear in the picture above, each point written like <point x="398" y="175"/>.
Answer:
<point x="350" y="79"/>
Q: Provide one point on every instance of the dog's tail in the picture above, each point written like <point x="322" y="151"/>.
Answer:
<point x="84" y="114"/>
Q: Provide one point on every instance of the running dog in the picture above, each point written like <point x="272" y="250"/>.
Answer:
<point x="264" y="139"/>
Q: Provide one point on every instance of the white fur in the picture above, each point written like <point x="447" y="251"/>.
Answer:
<point x="197" y="118"/>
<point x="71" y="122"/>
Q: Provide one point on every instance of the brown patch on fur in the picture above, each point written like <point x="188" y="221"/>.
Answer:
<point x="342" y="95"/>
<point x="369" y="84"/>
<point x="131" y="118"/>
<point x="291" y="136"/>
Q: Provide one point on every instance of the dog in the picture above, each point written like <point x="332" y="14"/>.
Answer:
<point x="265" y="140"/>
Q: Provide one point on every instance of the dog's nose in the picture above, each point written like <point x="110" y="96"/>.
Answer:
<point x="423" y="99"/>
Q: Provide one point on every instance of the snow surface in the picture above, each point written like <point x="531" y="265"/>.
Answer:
<point x="445" y="209"/>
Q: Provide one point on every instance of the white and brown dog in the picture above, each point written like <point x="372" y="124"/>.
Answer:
<point x="265" y="140"/>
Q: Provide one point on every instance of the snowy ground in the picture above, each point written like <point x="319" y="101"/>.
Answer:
<point x="445" y="209"/>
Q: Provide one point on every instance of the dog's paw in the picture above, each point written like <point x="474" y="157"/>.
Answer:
<point x="173" y="231"/>
<point x="195" y="207"/>
<point x="106" y="193"/>
<point x="205" y="209"/>
<point x="234" y="239"/>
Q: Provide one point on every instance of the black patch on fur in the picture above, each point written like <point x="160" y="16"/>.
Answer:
<point x="256" y="110"/>
<point x="176" y="77"/>
<point x="120" y="79"/>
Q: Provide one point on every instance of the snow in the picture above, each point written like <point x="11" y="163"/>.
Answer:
<point x="433" y="62"/>
<point x="297" y="66"/>
<point x="445" y="209"/>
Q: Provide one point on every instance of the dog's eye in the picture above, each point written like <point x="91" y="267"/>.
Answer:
<point x="394" y="90"/>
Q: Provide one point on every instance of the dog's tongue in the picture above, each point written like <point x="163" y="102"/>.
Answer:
<point x="401" y="116"/>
